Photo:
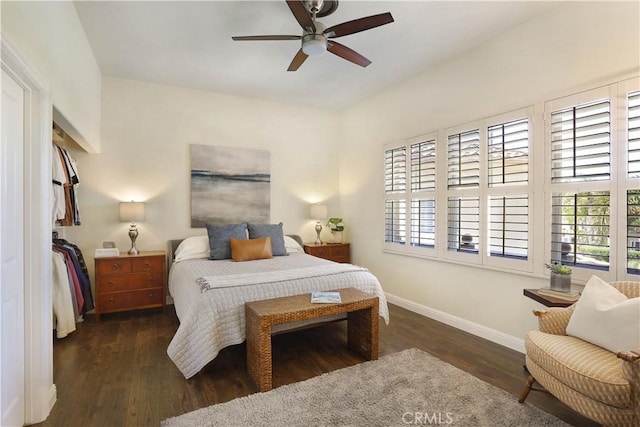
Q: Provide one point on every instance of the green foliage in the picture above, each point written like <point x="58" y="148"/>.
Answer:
<point x="558" y="268"/>
<point x="336" y="224"/>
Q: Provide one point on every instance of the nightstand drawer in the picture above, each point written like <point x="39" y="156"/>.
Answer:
<point x="319" y="251"/>
<point x="125" y="282"/>
<point x="113" y="265"/>
<point x="147" y="264"/>
<point x="120" y="301"/>
<point x="338" y="252"/>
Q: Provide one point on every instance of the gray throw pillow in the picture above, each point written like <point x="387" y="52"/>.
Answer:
<point x="219" y="236"/>
<point x="273" y="231"/>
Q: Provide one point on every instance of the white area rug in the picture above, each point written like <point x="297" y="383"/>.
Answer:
<point x="406" y="388"/>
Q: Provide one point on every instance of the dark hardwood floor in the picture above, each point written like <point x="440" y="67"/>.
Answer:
<point x="116" y="372"/>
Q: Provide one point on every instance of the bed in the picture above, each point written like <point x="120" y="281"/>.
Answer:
<point x="209" y="295"/>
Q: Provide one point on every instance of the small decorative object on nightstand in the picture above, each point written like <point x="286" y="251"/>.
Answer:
<point x="130" y="282"/>
<point x="318" y="212"/>
<point x="338" y="252"/>
<point x="132" y="212"/>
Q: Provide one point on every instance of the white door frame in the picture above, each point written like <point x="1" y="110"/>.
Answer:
<point x="40" y="392"/>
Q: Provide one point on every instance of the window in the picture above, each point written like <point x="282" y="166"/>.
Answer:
<point x="509" y="226"/>
<point x="423" y="222"/>
<point x="410" y="205"/>
<point x="463" y="221"/>
<point x="508" y="153"/>
<point x="395" y="221"/>
<point x="633" y="232"/>
<point x="463" y="160"/>
<point x="580" y="143"/>
<point x="395" y="183"/>
<point x="580" y="229"/>
<point x="508" y="188"/>
<point x="633" y="132"/>
<point x="561" y="176"/>
<point x="395" y="170"/>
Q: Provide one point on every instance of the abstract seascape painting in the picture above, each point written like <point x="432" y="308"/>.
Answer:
<point x="229" y="185"/>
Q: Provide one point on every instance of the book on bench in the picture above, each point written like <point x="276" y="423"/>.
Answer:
<point x="325" y="297"/>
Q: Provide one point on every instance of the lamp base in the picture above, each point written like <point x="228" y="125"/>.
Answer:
<point x="133" y="235"/>
<point x="318" y="230"/>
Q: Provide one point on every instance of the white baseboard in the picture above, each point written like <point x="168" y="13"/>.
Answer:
<point x="497" y="337"/>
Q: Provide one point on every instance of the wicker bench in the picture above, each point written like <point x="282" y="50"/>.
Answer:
<point x="362" y="326"/>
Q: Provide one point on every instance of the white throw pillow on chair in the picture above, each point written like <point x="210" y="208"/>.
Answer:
<point x="606" y="317"/>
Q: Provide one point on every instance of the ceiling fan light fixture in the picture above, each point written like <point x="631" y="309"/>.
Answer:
<point x="314" y="44"/>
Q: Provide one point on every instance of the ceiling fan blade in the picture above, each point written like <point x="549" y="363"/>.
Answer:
<point x="301" y="15"/>
<point x="358" y="25"/>
<point x="347" y="53"/>
<point x="241" y="38"/>
<point x="297" y="60"/>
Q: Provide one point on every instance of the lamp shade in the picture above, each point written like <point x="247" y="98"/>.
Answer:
<point x="318" y="211"/>
<point x="131" y="211"/>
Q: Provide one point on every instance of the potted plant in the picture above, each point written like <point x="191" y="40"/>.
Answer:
<point x="560" y="277"/>
<point x="336" y="226"/>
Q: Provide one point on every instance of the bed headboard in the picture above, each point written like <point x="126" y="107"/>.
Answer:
<point x="172" y="245"/>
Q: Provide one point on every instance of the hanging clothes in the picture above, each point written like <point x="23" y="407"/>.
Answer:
<point x="65" y="181"/>
<point x="64" y="318"/>
<point x="72" y="296"/>
<point x="80" y="271"/>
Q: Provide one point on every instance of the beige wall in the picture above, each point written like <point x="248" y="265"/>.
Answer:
<point x="551" y="56"/>
<point x="51" y="39"/>
<point x="146" y="133"/>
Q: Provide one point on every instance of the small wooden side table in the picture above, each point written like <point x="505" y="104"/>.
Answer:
<point x="546" y="300"/>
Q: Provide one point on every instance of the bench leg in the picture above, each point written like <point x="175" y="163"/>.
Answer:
<point x="259" y="357"/>
<point x="362" y="332"/>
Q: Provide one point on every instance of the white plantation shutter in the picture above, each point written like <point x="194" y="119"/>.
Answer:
<point x="423" y="222"/>
<point x="581" y="143"/>
<point x="508" y="226"/>
<point x="395" y="171"/>
<point x="463" y="160"/>
<point x="633" y="132"/>
<point x="463" y="224"/>
<point x="633" y="231"/>
<point x="508" y="153"/>
<point x="580" y="229"/>
<point x="395" y="219"/>
<point x="423" y="166"/>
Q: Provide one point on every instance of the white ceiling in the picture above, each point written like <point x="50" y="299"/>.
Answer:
<point x="189" y="44"/>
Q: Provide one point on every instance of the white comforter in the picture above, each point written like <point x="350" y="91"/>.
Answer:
<point x="214" y="319"/>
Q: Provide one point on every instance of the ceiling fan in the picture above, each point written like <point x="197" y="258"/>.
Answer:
<point x="316" y="39"/>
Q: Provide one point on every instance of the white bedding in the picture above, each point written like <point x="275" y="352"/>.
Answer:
<point x="213" y="320"/>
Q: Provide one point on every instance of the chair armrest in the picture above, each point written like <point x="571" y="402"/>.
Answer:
<point x="631" y="368"/>
<point x="555" y="320"/>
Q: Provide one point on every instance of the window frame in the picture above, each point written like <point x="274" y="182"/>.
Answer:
<point x="538" y="189"/>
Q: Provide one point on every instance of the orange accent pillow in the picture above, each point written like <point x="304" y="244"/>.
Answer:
<point x="250" y="249"/>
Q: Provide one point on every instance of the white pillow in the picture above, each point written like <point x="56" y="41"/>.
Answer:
<point x="606" y="317"/>
<point x="192" y="248"/>
<point x="291" y="245"/>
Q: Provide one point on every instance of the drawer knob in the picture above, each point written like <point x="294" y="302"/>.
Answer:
<point x="146" y="265"/>
<point x="115" y="267"/>
<point x="112" y="301"/>
<point x="111" y="284"/>
<point x="151" y="297"/>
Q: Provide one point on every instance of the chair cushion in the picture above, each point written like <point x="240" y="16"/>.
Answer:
<point x="586" y="368"/>
<point x="606" y="317"/>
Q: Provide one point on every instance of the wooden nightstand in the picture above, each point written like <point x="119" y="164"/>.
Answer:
<point x="130" y="282"/>
<point x="338" y="252"/>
